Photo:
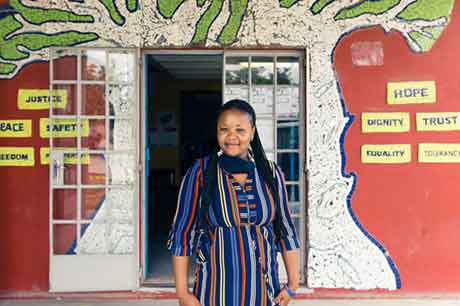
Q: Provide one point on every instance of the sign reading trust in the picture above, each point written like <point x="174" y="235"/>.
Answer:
<point x="411" y="92"/>
<point x="40" y="99"/>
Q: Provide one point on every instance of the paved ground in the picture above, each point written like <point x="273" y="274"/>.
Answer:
<point x="401" y="302"/>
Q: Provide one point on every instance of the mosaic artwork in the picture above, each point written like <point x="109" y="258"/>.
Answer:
<point x="342" y="254"/>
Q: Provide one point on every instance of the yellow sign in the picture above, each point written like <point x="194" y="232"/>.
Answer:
<point x="411" y="92"/>
<point x="385" y="122"/>
<point x="15" y="128"/>
<point x="40" y="98"/>
<point x="386" y="154"/>
<point x="439" y="152"/>
<point x="62" y="128"/>
<point x="17" y="156"/>
<point x="70" y="156"/>
<point x="438" y="121"/>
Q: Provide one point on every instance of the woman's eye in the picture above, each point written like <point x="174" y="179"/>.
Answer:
<point x="240" y="130"/>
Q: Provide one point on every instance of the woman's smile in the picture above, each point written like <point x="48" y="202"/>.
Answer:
<point x="235" y="131"/>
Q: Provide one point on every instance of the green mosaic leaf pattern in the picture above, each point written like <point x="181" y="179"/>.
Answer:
<point x="40" y="16"/>
<point x="366" y="7"/>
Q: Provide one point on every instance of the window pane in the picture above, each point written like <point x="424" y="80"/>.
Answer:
<point x="236" y="92"/>
<point x="294" y="208"/>
<point x="265" y="131"/>
<point x="287" y="101"/>
<point x="262" y="100"/>
<point x="93" y="170"/>
<point x="289" y="163"/>
<point x="64" y="239"/>
<point x="92" y="200"/>
<point x="64" y="97"/>
<point x="122" y="100"/>
<point x="64" y="171"/>
<point x="65" y="64"/>
<point x="288" y="134"/>
<point x="64" y="204"/>
<point x="121" y="203"/>
<point x="122" y="169"/>
<point x="95" y="138"/>
<point x="121" y="135"/>
<point x="293" y="192"/>
<point x="262" y="70"/>
<point x="236" y="70"/>
<point x="106" y="238"/>
<point x="93" y="100"/>
<point x="93" y="65"/>
<point x="121" y="67"/>
<point x="287" y="69"/>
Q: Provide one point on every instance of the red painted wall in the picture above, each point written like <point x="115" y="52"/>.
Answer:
<point x="24" y="247"/>
<point x="412" y="209"/>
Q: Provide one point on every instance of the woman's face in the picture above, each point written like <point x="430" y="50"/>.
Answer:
<point x="234" y="133"/>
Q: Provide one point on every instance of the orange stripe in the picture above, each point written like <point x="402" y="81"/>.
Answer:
<point x="234" y="200"/>
<point x="189" y="224"/>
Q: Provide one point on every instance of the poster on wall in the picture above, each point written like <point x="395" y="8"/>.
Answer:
<point x="164" y="131"/>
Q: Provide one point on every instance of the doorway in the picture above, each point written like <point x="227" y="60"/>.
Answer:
<point x="183" y="96"/>
<point x="183" y="92"/>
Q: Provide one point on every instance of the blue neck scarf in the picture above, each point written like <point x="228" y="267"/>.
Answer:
<point x="235" y="164"/>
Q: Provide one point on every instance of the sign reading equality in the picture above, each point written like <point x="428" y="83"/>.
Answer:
<point x="15" y="128"/>
<point x="17" y="156"/>
<point x="386" y="154"/>
<point x="385" y="122"/>
<point x="411" y="92"/>
<point x="439" y="152"/>
<point x="448" y="121"/>
<point x="33" y="99"/>
<point x="59" y="128"/>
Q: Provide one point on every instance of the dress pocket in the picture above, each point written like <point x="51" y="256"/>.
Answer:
<point x="203" y="246"/>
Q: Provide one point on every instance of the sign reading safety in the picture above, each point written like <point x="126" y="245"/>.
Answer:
<point x="439" y="152"/>
<point x="40" y="98"/>
<point x="438" y="121"/>
<point x="385" y="122"/>
<point x="386" y="154"/>
<point x="62" y="128"/>
<point x="15" y="128"/>
<point x="17" y="156"/>
<point x="70" y="158"/>
<point x="411" y="92"/>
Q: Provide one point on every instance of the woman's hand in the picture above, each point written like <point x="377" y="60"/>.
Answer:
<point x="188" y="299"/>
<point x="282" y="298"/>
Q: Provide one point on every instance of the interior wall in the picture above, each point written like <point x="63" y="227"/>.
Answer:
<point x="167" y="98"/>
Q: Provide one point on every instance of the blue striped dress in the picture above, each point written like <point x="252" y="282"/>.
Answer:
<point x="237" y="256"/>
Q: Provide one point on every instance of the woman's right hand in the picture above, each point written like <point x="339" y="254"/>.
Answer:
<point x="188" y="299"/>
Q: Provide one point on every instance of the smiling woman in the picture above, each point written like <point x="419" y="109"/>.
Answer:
<point x="236" y="200"/>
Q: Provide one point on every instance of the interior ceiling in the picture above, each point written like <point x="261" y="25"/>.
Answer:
<point x="189" y="67"/>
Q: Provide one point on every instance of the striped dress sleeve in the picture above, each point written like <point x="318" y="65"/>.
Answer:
<point x="182" y="232"/>
<point x="289" y="241"/>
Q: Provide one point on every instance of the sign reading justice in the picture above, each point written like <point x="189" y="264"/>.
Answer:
<point x="41" y="98"/>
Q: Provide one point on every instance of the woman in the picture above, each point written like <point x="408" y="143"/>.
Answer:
<point x="233" y="207"/>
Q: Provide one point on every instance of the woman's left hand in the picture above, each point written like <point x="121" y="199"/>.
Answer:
<point x="282" y="298"/>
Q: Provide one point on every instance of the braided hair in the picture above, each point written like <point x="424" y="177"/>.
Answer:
<point x="262" y="164"/>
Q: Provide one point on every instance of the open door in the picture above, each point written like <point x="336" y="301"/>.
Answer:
<point x="93" y="156"/>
